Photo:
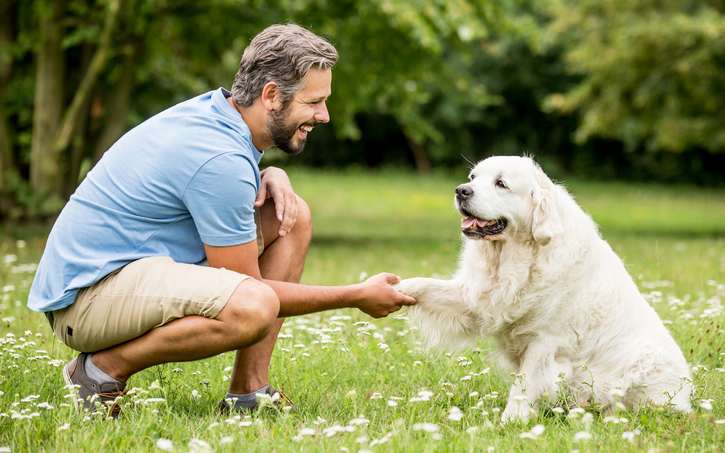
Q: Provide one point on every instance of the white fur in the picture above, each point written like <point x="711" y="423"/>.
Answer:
<point x="554" y="295"/>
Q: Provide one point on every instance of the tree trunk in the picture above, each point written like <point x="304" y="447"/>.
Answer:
<point x="420" y="156"/>
<point x="73" y="116"/>
<point x="114" y="122"/>
<point x="6" y="63"/>
<point x="44" y="165"/>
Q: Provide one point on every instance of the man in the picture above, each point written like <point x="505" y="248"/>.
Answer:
<point x="121" y="278"/>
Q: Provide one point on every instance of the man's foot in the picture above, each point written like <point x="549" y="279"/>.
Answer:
<point x="90" y="391"/>
<point x="270" y="397"/>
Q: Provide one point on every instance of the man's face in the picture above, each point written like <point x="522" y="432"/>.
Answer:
<point x="289" y="127"/>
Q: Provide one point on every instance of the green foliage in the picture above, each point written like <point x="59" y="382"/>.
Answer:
<point x="653" y="72"/>
<point x="600" y="88"/>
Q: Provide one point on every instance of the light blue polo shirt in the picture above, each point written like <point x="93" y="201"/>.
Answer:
<point x="181" y="179"/>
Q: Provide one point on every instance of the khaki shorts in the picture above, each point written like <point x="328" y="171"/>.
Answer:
<point x="141" y="296"/>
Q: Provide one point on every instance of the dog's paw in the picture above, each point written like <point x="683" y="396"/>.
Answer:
<point x="516" y="412"/>
<point x="413" y="287"/>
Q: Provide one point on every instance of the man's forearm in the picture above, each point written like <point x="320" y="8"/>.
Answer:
<point x="297" y="299"/>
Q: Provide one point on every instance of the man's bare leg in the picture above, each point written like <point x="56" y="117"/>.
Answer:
<point x="248" y="317"/>
<point x="283" y="260"/>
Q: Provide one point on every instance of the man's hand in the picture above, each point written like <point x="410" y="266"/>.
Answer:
<point x="378" y="298"/>
<point x="275" y="184"/>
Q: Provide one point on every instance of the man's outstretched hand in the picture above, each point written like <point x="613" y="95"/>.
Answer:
<point x="378" y="298"/>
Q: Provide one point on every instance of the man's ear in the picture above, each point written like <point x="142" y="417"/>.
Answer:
<point x="271" y="97"/>
<point x="545" y="221"/>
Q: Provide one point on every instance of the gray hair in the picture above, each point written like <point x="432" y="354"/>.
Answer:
<point x="282" y="54"/>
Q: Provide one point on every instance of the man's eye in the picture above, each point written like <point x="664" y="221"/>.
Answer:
<point x="501" y="184"/>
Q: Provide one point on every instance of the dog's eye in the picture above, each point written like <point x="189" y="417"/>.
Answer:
<point x="500" y="184"/>
<point x="471" y="177"/>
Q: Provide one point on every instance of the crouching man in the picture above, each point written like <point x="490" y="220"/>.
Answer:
<point x="123" y="278"/>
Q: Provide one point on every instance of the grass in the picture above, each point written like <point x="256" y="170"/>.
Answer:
<point x="341" y="366"/>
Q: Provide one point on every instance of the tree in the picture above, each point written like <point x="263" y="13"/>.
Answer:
<point x="652" y="71"/>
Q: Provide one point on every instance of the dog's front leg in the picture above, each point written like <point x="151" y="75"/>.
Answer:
<point x="538" y="375"/>
<point x="441" y="314"/>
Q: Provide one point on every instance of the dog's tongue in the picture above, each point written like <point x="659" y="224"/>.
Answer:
<point x="468" y="222"/>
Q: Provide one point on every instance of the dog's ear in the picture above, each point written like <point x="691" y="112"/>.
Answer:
<point x="545" y="221"/>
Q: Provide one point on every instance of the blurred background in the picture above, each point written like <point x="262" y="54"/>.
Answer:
<point x="605" y="89"/>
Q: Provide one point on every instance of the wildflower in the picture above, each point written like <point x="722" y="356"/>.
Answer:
<point x="226" y="440"/>
<point x="587" y="418"/>
<point x="64" y="426"/>
<point x="195" y="394"/>
<point x="535" y="432"/>
<point x="630" y="435"/>
<point x="334" y="429"/>
<point x="706" y="404"/>
<point x="360" y="421"/>
<point x="455" y="414"/>
<point x="558" y="410"/>
<point x="423" y="395"/>
<point x="362" y="439"/>
<point x="165" y="444"/>
<point x="29" y="398"/>
<point x="582" y="436"/>
<point x="383" y="440"/>
<point x="199" y="446"/>
<point x="463" y="361"/>
<point x="427" y="427"/>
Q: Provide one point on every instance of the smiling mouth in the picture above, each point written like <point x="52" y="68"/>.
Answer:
<point x="477" y="228"/>
<point x="305" y="129"/>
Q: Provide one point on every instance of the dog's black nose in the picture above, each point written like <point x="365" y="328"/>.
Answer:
<point x="464" y="192"/>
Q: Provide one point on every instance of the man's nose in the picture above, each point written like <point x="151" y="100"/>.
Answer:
<point x="322" y="115"/>
<point x="464" y="192"/>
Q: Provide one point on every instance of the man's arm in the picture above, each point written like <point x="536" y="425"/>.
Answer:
<point x="375" y="296"/>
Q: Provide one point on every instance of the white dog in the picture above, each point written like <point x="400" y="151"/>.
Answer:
<point x="536" y="275"/>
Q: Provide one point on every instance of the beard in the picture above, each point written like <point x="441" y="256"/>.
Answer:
<point x="283" y="134"/>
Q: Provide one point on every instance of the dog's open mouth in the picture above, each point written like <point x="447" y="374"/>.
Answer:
<point x="474" y="227"/>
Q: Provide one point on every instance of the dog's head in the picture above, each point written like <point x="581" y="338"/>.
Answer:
<point x="507" y="196"/>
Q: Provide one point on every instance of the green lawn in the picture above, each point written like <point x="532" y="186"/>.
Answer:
<point x="352" y="377"/>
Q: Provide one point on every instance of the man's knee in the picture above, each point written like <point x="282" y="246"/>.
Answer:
<point x="251" y="311"/>
<point x="303" y="225"/>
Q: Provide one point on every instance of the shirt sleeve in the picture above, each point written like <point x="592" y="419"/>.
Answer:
<point x="220" y="198"/>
